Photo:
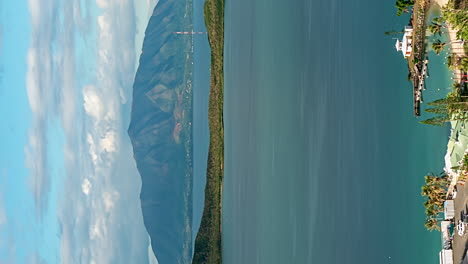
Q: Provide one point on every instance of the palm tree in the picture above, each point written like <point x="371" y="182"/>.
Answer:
<point x="432" y="224"/>
<point x="438" y="46"/>
<point x="436" y="121"/>
<point x="435" y="28"/>
<point x="452" y="61"/>
<point x="456" y="86"/>
<point x="393" y="32"/>
<point x="464" y="64"/>
<point x="403" y="6"/>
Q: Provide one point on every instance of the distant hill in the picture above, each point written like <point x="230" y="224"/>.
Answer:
<point x="160" y="131"/>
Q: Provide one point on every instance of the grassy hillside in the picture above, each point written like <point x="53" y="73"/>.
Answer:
<point x="208" y="241"/>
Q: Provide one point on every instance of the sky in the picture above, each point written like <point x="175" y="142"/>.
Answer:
<point x="68" y="182"/>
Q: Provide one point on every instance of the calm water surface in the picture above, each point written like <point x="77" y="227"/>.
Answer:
<point x="324" y="159"/>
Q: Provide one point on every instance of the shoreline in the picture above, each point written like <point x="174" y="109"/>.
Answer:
<point x="208" y="244"/>
<point x="457" y="50"/>
<point x="455" y="45"/>
<point x="454" y="145"/>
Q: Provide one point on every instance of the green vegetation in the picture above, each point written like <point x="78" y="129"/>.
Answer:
<point x="451" y="108"/>
<point x="403" y="6"/>
<point x="436" y="26"/>
<point x="458" y="19"/>
<point x="393" y="32"/>
<point x="417" y="58"/>
<point x="438" y="46"/>
<point x="208" y="241"/>
<point x="460" y="4"/>
<point x="435" y="191"/>
<point x="455" y="106"/>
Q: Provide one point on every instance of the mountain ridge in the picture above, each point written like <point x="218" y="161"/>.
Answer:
<point x="160" y="131"/>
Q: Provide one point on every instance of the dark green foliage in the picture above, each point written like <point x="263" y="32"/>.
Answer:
<point x="393" y="32"/>
<point x="458" y="18"/>
<point x="436" y="26"/>
<point x="438" y="46"/>
<point x="402" y="6"/>
<point x="435" y="192"/>
<point x="435" y="121"/>
<point x="435" y="29"/>
<point x="463" y="64"/>
<point x="437" y="110"/>
<point x="453" y="107"/>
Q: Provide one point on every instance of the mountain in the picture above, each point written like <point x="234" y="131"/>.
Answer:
<point x="160" y="131"/>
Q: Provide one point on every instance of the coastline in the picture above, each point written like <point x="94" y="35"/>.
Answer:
<point x="456" y="149"/>
<point x="208" y="244"/>
<point x="455" y="45"/>
<point x="456" y="127"/>
<point x="458" y="50"/>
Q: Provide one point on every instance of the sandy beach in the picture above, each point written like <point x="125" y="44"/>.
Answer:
<point x="456" y="45"/>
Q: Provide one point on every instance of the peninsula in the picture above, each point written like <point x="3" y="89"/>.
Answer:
<point x="208" y="241"/>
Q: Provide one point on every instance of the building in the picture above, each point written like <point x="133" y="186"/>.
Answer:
<point x="445" y="227"/>
<point x="446" y="256"/>
<point x="406" y="44"/>
<point x="449" y="209"/>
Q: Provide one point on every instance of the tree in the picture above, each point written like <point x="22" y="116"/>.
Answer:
<point x="432" y="224"/>
<point x="438" y="46"/>
<point x="435" y="191"/>
<point x="402" y="6"/>
<point x="463" y="64"/>
<point x="436" y="121"/>
<point x="393" y="32"/>
<point x="437" y="110"/>
<point x="435" y="28"/>
<point x="452" y="60"/>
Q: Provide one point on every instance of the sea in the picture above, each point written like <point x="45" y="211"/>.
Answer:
<point x="324" y="160"/>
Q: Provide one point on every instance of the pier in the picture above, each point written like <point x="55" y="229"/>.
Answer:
<point x="418" y="78"/>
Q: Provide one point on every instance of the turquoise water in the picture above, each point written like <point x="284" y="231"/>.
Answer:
<point x="324" y="159"/>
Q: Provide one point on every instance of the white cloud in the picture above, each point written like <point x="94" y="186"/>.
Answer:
<point x="109" y="199"/>
<point x="97" y="222"/>
<point x="93" y="104"/>
<point x="86" y="186"/>
<point x="98" y="155"/>
<point x="92" y="148"/>
<point x="109" y="142"/>
<point x="102" y="3"/>
<point x="43" y="85"/>
<point x="36" y="161"/>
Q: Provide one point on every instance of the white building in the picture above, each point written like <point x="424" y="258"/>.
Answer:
<point x="406" y="44"/>
<point x="449" y="209"/>
<point x="445" y="230"/>
<point x="446" y="256"/>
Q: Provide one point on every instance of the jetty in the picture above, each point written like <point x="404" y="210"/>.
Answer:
<point x="419" y="85"/>
<point x="413" y="47"/>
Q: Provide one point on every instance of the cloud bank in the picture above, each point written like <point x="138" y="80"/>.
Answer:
<point x="99" y="213"/>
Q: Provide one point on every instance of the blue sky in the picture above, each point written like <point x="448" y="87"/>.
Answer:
<point x="67" y="173"/>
